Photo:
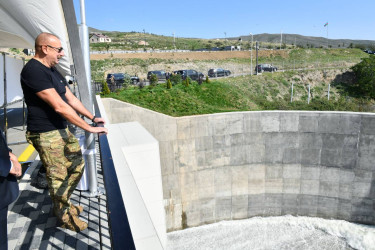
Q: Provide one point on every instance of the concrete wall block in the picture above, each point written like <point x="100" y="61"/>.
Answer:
<point x="256" y="186"/>
<point x="274" y="186"/>
<point x="170" y="183"/>
<point x="329" y="189"/>
<point x="289" y="122"/>
<point x="165" y="131"/>
<point x="221" y="141"/>
<point x="310" y="187"/>
<point x="223" y="182"/>
<point x="235" y="123"/>
<point x="217" y="124"/>
<point x="252" y="122"/>
<point x="274" y="171"/>
<point x="187" y="160"/>
<point x="257" y="171"/>
<point x="292" y="186"/>
<point x="255" y="154"/>
<point x="346" y="176"/>
<point x="345" y="190"/>
<point x="292" y="156"/>
<point x="291" y="200"/>
<point x="274" y="155"/>
<point x="207" y="210"/>
<point x="289" y="210"/>
<point x="253" y="138"/>
<point x="362" y="189"/>
<point x="363" y="176"/>
<point x="308" y="200"/>
<point x="201" y="159"/>
<point x="368" y="125"/>
<point x="366" y="152"/>
<point x="327" y="213"/>
<point x="255" y="212"/>
<point x="292" y="171"/>
<point x="205" y="178"/>
<point x="203" y="143"/>
<point x="310" y="156"/>
<point x="310" y="172"/>
<point x="308" y="122"/>
<point x="239" y="207"/>
<point x="168" y="166"/>
<point x="328" y="202"/>
<point x="272" y="211"/>
<point x="273" y="200"/>
<point x="350" y="123"/>
<point x="349" y="159"/>
<point x="310" y="140"/>
<point x="281" y="140"/>
<point x="270" y="122"/>
<point x="221" y="157"/>
<point x="199" y="126"/>
<point x="240" y="180"/>
<point x="331" y="157"/>
<point x="256" y="201"/>
<point x="223" y="208"/>
<point x="344" y="210"/>
<point x="238" y="155"/>
<point x="330" y="174"/>
<point x="237" y="139"/>
<point x="363" y="207"/>
<point x="333" y="141"/>
<point x="187" y="145"/>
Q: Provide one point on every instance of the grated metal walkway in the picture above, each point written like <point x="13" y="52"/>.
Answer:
<point x="32" y="225"/>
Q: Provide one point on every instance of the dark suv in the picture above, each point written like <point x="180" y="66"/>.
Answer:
<point x="265" y="67"/>
<point x="193" y="74"/>
<point x="120" y="78"/>
<point x="160" y="74"/>
<point x="218" y="72"/>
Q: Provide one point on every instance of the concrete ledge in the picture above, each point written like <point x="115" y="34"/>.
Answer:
<point x="243" y="164"/>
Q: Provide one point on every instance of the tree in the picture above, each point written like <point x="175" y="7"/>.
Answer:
<point x="365" y="77"/>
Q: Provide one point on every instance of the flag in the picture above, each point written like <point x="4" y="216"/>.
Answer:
<point x="326" y="24"/>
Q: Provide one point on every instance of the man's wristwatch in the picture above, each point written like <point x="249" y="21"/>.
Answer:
<point x="93" y="119"/>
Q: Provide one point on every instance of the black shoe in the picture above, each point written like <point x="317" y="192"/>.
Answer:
<point x="41" y="180"/>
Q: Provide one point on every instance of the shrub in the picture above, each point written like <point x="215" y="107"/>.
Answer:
<point x="187" y="81"/>
<point x="365" y="74"/>
<point x="153" y="80"/>
<point x="207" y="80"/>
<point x="105" y="89"/>
<point x="169" y="84"/>
<point x="175" y="79"/>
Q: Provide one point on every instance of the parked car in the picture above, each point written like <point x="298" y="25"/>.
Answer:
<point x="265" y="67"/>
<point x="160" y="74"/>
<point x="119" y="78"/>
<point x="193" y="74"/>
<point x="218" y="72"/>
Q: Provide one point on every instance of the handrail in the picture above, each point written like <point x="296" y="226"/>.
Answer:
<point x="121" y="235"/>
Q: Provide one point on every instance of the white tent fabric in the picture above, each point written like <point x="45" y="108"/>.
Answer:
<point x="13" y="68"/>
<point x="21" y="21"/>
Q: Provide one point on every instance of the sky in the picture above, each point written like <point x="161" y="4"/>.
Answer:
<point x="347" y="19"/>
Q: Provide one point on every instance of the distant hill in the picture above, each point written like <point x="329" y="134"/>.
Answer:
<point x="300" y="40"/>
<point x="129" y="40"/>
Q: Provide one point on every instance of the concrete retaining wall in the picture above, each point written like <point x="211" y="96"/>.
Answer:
<point x="243" y="164"/>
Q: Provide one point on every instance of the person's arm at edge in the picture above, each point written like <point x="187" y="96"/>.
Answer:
<point x="52" y="98"/>
<point x="78" y="106"/>
<point x="16" y="168"/>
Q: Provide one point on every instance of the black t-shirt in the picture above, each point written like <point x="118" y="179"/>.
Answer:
<point x="36" y="77"/>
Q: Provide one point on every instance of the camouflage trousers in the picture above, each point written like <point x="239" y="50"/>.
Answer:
<point x="61" y="154"/>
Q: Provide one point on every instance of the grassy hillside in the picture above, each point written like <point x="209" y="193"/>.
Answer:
<point x="264" y="92"/>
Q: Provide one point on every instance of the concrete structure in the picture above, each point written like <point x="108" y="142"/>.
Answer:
<point x="242" y="164"/>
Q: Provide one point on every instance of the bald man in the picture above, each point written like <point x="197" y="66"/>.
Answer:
<point x="50" y="105"/>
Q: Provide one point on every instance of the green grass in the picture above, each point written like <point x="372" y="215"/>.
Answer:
<point x="265" y="92"/>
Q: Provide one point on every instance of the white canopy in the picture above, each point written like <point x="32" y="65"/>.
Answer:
<point x="21" y="21"/>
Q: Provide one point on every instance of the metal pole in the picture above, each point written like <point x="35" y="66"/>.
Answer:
<point x="291" y="95"/>
<point x="5" y="100"/>
<point x="329" y="88"/>
<point x="251" y="52"/>
<point x="94" y="190"/>
<point x="256" y="65"/>
<point x="308" y="96"/>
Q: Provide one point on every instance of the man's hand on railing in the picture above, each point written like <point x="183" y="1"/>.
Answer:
<point x="98" y="130"/>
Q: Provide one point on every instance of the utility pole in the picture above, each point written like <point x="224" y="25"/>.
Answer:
<point x="144" y="42"/>
<point x="251" y="54"/>
<point x="256" y="65"/>
<point x="174" y="42"/>
<point x="281" y="39"/>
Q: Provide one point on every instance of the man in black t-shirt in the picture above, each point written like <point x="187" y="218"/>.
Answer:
<point x="50" y="105"/>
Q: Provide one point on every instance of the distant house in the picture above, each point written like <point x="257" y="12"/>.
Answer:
<point x="143" y="43"/>
<point x="100" y="38"/>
